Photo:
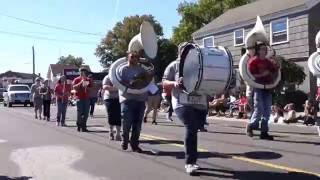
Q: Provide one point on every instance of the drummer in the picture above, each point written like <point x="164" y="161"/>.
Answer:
<point x="190" y="113"/>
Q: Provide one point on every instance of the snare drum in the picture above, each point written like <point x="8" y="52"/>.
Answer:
<point x="206" y="70"/>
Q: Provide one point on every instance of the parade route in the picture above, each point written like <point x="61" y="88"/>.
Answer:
<point x="34" y="149"/>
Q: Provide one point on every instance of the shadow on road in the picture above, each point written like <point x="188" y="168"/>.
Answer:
<point x="14" y="178"/>
<point x="254" y="175"/>
<point x="87" y="126"/>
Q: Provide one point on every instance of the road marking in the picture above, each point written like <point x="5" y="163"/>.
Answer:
<point x="249" y="160"/>
<point x="50" y="162"/>
<point x="200" y="149"/>
<point x="3" y="141"/>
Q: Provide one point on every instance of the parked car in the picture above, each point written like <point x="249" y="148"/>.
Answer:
<point x="2" y="90"/>
<point x="17" y="94"/>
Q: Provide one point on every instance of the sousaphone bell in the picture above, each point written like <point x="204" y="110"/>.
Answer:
<point x="314" y="59"/>
<point x="257" y="34"/>
<point x="146" y="40"/>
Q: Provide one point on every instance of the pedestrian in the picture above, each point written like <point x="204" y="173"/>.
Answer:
<point x="152" y="104"/>
<point x="62" y="92"/>
<point x="263" y="71"/>
<point x="82" y="86"/>
<point x="113" y="108"/>
<point x="93" y="95"/>
<point x="190" y="113"/>
<point x="46" y="93"/>
<point x="132" y="105"/>
<point x="37" y="98"/>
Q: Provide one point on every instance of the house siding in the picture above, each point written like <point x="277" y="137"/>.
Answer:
<point x="297" y="47"/>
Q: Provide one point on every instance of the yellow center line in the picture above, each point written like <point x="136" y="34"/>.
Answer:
<point x="244" y="159"/>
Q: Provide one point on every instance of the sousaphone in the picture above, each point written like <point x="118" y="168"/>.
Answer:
<point x="146" y="40"/>
<point x="257" y="34"/>
<point x="314" y="59"/>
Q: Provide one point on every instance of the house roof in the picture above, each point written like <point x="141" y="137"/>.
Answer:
<point x="59" y="68"/>
<point x="17" y="74"/>
<point x="266" y="9"/>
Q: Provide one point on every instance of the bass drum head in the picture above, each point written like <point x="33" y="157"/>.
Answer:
<point x="191" y="70"/>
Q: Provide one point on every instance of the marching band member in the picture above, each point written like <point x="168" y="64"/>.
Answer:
<point x="263" y="70"/>
<point x="132" y="105"/>
<point x="82" y="85"/>
<point x="188" y="112"/>
<point x="62" y="92"/>
<point x="111" y="100"/>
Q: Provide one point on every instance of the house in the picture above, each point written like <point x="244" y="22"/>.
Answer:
<point x="57" y="70"/>
<point x="292" y="26"/>
<point x="11" y="77"/>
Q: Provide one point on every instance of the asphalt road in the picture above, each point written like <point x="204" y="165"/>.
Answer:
<point x="35" y="149"/>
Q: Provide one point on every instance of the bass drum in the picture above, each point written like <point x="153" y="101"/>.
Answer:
<point x="206" y="70"/>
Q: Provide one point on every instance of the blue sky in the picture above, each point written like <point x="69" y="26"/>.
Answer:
<point x="95" y="16"/>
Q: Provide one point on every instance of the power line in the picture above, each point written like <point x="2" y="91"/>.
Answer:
<point x="47" y="39"/>
<point x="51" y="26"/>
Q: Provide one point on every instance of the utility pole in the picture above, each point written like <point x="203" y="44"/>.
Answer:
<point x="33" y="65"/>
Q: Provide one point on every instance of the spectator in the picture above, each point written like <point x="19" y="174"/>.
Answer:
<point x="291" y="116"/>
<point x="233" y="105"/>
<point x="219" y="104"/>
<point x="243" y="106"/>
<point x="276" y="113"/>
<point x="309" y="113"/>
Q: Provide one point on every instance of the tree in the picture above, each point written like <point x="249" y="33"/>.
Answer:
<point x="291" y="75"/>
<point x="115" y="44"/>
<point x="71" y="60"/>
<point x="166" y="54"/>
<point x="196" y="15"/>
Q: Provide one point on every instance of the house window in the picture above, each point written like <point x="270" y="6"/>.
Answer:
<point x="279" y="31"/>
<point x="208" y="41"/>
<point x="238" y="37"/>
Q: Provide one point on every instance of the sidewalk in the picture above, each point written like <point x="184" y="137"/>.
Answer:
<point x="222" y="118"/>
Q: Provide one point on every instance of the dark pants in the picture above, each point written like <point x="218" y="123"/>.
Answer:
<point x="92" y="104"/>
<point x="113" y="108"/>
<point x="83" y="106"/>
<point x="62" y="109"/>
<point x="46" y="108"/>
<point x="170" y="111"/>
<point x="132" y="114"/>
<point x="192" y="119"/>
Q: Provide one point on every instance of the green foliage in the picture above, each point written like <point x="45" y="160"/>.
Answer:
<point x="70" y="60"/>
<point x="167" y="53"/>
<point x="196" y="15"/>
<point x="115" y="44"/>
<point x="291" y="75"/>
<point x="291" y="72"/>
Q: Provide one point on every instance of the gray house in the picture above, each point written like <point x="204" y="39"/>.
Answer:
<point x="291" y="25"/>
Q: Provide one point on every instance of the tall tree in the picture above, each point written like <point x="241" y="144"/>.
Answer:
<point x="167" y="52"/>
<point x="196" y="15"/>
<point x="115" y="44"/>
<point x="70" y="60"/>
